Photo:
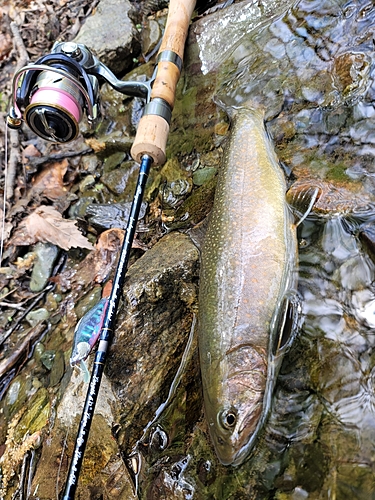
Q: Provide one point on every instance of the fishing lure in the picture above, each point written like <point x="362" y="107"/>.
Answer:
<point x="86" y="335"/>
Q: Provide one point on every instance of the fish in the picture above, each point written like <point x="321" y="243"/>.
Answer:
<point x="248" y="306"/>
<point x="86" y="335"/>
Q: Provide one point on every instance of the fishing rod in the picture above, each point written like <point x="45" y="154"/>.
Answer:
<point x="51" y="98"/>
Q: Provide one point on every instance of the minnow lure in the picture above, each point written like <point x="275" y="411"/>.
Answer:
<point x="87" y="334"/>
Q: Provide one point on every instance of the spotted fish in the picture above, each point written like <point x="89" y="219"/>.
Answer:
<point x="248" y="306"/>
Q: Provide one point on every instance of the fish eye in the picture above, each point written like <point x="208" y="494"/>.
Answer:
<point x="228" y="418"/>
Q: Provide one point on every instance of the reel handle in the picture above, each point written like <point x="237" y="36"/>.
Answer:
<point x="153" y="128"/>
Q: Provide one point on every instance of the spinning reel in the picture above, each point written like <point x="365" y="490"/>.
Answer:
<point x="58" y="88"/>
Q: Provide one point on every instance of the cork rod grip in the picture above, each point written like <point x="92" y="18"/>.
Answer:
<point x="176" y="29"/>
<point x="152" y="133"/>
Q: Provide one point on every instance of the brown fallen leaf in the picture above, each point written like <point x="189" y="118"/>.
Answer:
<point x="47" y="225"/>
<point x="5" y="45"/>
<point x="95" y="145"/>
<point x="30" y="151"/>
<point x="50" y="181"/>
<point x="97" y="265"/>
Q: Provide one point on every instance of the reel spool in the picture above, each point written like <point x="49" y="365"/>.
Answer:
<point x="55" y="108"/>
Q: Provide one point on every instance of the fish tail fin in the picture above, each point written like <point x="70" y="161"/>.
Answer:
<point x="231" y="106"/>
<point x="85" y="372"/>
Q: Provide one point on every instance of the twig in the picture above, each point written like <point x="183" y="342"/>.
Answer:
<point x="39" y="296"/>
<point x="36" y="161"/>
<point x="14" y="154"/>
<point x="12" y="306"/>
<point x="14" y="158"/>
<point x="20" y="46"/>
<point x="22" y="349"/>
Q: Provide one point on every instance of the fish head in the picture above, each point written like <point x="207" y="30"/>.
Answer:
<point x="80" y="353"/>
<point x="235" y="414"/>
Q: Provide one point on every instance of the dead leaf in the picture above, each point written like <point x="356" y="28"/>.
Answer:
<point x="30" y="151"/>
<point x="95" y="145"/>
<point x="6" y="45"/>
<point x="49" y="181"/>
<point x="110" y="240"/>
<point x="97" y="265"/>
<point x="47" y="225"/>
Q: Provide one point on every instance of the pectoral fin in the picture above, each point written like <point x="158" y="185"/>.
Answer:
<point x="285" y="324"/>
<point x="302" y="199"/>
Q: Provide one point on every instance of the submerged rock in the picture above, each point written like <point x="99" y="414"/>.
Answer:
<point x="46" y="255"/>
<point x="104" y="474"/>
<point x="114" y="215"/>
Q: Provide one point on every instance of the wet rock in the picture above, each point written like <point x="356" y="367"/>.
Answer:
<point x="152" y="328"/>
<point x="177" y="182"/>
<point x="174" y="191"/>
<point x="116" y="180"/>
<point x="79" y="209"/>
<point x="330" y="198"/>
<point x="113" y="161"/>
<point x="350" y="74"/>
<point x="114" y="215"/>
<point x="58" y="369"/>
<point x="47" y="359"/>
<point x="16" y="395"/>
<point x="150" y="36"/>
<point x="88" y="301"/>
<point x="86" y="183"/>
<point x="46" y="255"/>
<point x="203" y="175"/>
<point x="37" y="315"/>
<point x="16" y="450"/>
<point x="367" y="238"/>
<point x="116" y="47"/>
<point x="120" y="115"/>
<point x="90" y="163"/>
<point x="196" y="207"/>
<point x="103" y="474"/>
<point x="173" y="484"/>
<point x="36" y="415"/>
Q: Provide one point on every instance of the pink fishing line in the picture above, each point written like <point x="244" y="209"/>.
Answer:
<point x="59" y="98"/>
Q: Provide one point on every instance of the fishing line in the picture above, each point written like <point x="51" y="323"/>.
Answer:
<point x="4" y="197"/>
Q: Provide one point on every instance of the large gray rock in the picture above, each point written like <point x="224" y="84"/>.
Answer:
<point x="111" y="34"/>
<point x="152" y="328"/>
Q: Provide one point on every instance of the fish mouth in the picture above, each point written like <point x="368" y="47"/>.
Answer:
<point x="236" y="412"/>
<point x="232" y="446"/>
<point x="232" y="453"/>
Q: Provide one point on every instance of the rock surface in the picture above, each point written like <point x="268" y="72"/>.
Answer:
<point x="111" y="34"/>
<point x="153" y="324"/>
